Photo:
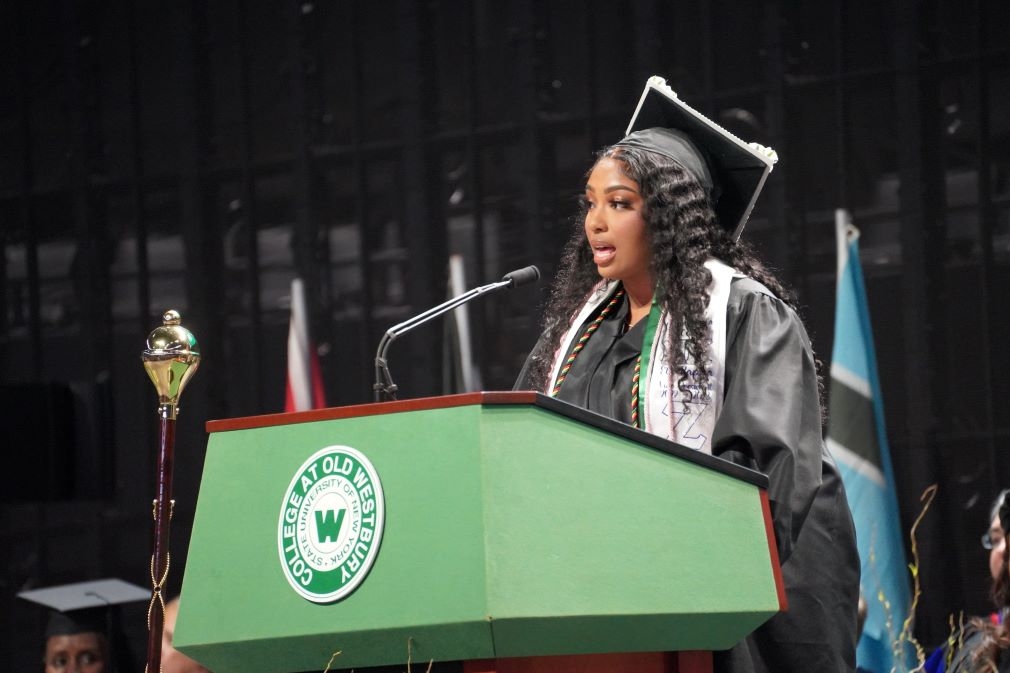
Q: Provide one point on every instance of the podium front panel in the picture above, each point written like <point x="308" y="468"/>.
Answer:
<point x="509" y="530"/>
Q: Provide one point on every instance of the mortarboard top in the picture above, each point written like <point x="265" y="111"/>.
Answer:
<point x="84" y="607"/>
<point x="738" y="169"/>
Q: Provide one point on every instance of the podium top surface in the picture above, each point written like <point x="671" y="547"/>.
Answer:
<point x="529" y="398"/>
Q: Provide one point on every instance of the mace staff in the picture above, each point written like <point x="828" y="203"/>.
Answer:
<point x="170" y="359"/>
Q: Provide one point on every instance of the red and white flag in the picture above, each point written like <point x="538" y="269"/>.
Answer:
<point x="305" y="380"/>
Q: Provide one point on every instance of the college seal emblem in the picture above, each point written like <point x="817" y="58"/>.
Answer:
<point x="330" y="524"/>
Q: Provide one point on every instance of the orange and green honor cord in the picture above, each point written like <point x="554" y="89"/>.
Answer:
<point x="641" y="364"/>
<point x="581" y="343"/>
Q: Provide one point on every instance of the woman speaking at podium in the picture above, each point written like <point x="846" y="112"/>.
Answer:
<point x="661" y="318"/>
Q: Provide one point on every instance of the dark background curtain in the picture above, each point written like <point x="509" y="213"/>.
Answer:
<point x="198" y="155"/>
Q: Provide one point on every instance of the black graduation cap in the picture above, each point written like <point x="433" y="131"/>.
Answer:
<point x="88" y="607"/>
<point x="738" y="169"/>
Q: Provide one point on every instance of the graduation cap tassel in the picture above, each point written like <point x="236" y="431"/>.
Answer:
<point x="171" y="358"/>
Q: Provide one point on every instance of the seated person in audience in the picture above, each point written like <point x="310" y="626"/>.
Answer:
<point x="984" y="645"/>
<point x="76" y="643"/>
<point x="84" y="627"/>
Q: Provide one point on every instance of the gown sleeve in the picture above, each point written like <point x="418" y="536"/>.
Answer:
<point x="771" y="414"/>
<point x="771" y="422"/>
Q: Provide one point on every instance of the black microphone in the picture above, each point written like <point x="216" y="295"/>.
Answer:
<point x="384" y="388"/>
<point x="525" y="276"/>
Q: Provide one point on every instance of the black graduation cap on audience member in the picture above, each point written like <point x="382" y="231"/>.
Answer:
<point x="737" y="169"/>
<point x="89" y="607"/>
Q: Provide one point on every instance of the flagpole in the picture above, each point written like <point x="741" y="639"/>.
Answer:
<point x="304" y="389"/>
<point x="457" y="283"/>
<point x="844" y="232"/>
<point x="857" y="440"/>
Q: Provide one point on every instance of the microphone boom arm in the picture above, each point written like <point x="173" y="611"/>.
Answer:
<point x="384" y="388"/>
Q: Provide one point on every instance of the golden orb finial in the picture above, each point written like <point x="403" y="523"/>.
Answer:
<point x="171" y="358"/>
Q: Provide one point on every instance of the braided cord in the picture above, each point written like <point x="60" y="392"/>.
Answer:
<point x="635" y="379"/>
<point x="581" y="343"/>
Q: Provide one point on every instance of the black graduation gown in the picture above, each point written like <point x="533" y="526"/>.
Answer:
<point x="771" y="422"/>
<point x="601" y="376"/>
<point x="963" y="660"/>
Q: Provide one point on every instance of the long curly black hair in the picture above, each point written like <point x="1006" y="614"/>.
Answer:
<point x="683" y="233"/>
<point x="996" y="637"/>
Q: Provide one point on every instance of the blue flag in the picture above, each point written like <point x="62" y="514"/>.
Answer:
<point x="858" y="441"/>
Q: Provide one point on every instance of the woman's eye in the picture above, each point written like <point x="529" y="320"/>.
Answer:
<point x="59" y="661"/>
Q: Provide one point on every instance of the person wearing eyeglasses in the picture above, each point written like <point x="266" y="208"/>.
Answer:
<point x="984" y="645"/>
<point x="994" y="540"/>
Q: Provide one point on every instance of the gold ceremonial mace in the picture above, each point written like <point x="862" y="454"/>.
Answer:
<point x="171" y="358"/>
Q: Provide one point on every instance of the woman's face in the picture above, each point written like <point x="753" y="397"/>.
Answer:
<point x="615" y="226"/>
<point x="996" y="534"/>
<point x="78" y="653"/>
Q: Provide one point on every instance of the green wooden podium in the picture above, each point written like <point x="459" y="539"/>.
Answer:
<point x="515" y="525"/>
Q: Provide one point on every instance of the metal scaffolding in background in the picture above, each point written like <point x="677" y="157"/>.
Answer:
<point x="198" y="156"/>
